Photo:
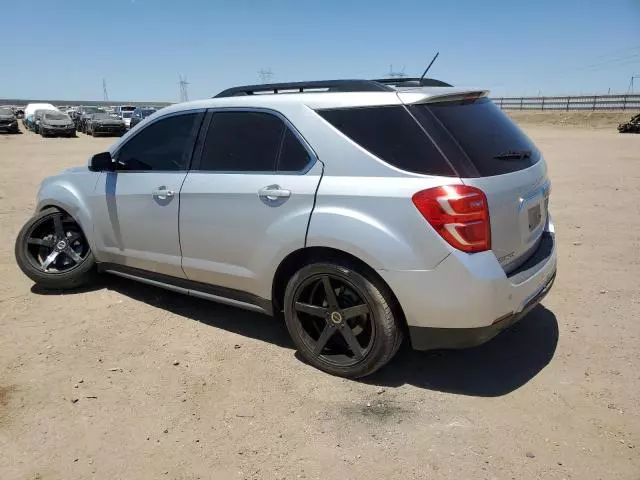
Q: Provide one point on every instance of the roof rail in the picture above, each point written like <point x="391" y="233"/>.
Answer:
<point x="413" y="82"/>
<point x="298" y="87"/>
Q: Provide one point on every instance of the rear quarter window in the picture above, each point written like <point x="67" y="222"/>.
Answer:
<point x="392" y="135"/>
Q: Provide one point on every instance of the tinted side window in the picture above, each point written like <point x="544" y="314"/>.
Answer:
<point x="242" y="142"/>
<point x="391" y="134"/>
<point x="293" y="156"/>
<point x="163" y="145"/>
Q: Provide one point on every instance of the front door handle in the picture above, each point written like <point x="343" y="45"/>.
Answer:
<point x="162" y="193"/>
<point x="274" y="193"/>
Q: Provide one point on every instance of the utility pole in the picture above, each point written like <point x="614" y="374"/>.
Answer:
<point x="184" y="93"/>
<point x="631" y="80"/>
<point x="265" y="75"/>
<point x="105" y="95"/>
<point x="396" y="74"/>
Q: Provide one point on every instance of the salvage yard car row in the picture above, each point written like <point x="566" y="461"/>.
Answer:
<point x="47" y="120"/>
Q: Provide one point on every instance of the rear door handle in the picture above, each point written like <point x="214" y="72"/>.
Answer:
<point x="273" y="193"/>
<point x="162" y="193"/>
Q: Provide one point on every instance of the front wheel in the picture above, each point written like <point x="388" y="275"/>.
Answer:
<point x="341" y="321"/>
<point x="51" y="250"/>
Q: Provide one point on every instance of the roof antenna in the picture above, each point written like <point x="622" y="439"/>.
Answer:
<point x="429" y="66"/>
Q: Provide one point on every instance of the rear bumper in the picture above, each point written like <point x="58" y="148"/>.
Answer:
<point x="468" y="299"/>
<point x="427" y="338"/>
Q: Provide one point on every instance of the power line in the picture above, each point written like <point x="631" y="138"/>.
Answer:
<point x="613" y="62"/>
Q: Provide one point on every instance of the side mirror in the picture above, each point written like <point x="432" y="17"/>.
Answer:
<point x="102" y="162"/>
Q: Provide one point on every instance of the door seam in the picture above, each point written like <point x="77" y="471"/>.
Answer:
<point x="313" y="207"/>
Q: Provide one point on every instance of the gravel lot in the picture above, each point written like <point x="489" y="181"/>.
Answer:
<point x="89" y="389"/>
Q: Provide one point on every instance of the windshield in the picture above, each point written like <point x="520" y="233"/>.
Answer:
<point x="93" y="110"/>
<point x="127" y="109"/>
<point x="127" y="114"/>
<point x="101" y="116"/>
<point x="146" y="113"/>
<point x="55" y="116"/>
<point x="5" y="111"/>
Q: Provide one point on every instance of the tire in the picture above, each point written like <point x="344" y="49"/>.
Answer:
<point x="379" y="326"/>
<point x="78" y="274"/>
<point x="42" y="134"/>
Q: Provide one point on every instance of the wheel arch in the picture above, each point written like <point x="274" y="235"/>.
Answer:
<point x="70" y="203"/>
<point x="306" y="255"/>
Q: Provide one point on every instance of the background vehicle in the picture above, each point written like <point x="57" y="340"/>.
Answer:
<point x="361" y="213"/>
<point x="104" y="124"/>
<point x="8" y="121"/>
<point x="83" y="115"/>
<point x="30" y="110"/>
<point x="37" y="118"/>
<point x="32" y="107"/>
<point x="126" y="118"/>
<point x="140" y="114"/>
<point x="56" y="124"/>
<point x="120" y="109"/>
<point x="632" y="126"/>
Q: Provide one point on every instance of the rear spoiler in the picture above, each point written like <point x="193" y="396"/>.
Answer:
<point x="417" y="97"/>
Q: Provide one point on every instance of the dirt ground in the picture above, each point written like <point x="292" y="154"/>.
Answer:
<point x="581" y="119"/>
<point x="556" y="396"/>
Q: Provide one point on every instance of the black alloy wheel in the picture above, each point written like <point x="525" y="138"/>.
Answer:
<point x="341" y="322"/>
<point x="52" y="250"/>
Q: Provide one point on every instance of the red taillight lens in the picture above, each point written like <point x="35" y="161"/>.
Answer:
<point x="459" y="213"/>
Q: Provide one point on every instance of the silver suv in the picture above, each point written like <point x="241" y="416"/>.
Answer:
<point x="359" y="211"/>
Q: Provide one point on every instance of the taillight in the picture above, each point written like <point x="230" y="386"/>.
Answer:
<point x="459" y="213"/>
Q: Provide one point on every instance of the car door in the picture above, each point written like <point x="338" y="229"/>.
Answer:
<point x="246" y="202"/>
<point x="137" y="205"/>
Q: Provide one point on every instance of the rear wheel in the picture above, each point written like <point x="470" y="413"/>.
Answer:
<point x="341" y="321"/>
<point x="51" y="250"/>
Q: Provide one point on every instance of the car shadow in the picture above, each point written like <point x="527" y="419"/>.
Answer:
<point x="235" y="320"/>
<point x="496" y="368"/>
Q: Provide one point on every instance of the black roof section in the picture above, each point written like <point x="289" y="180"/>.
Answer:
<point x="382" y="85"/>
<point x="327" y="85"/>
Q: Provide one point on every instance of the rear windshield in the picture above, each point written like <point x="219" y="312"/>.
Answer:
<point x="391" y="134"/>
<point x="492" y="141"/>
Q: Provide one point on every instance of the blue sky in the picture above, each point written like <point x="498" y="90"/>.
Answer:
<point x="63" y="49"/>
